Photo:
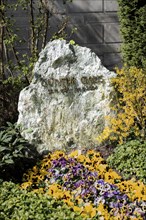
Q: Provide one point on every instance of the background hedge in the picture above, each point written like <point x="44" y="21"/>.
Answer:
<point x="132" y="16"/>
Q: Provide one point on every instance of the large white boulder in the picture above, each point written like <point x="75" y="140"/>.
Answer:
<point x="67" y="101"/>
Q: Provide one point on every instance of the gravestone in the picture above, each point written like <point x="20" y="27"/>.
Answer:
<point x="66" y="103"/>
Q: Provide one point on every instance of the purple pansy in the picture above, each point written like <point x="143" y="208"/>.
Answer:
<point x="72" y="175"/>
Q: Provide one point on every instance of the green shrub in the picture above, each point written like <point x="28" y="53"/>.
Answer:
<point x="16" y="154"/>
<point x="132" y="16"/>
<point x="130" y="159"/>
<point x="17" y="204"/>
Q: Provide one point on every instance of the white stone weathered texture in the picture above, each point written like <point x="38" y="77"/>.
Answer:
<point x="66" y="103"/>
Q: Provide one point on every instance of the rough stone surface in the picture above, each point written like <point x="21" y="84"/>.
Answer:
<point x="66" y="103"/>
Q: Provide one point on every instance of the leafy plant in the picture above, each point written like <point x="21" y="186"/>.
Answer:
<point x="16" y="154"/>
<point x="15" y="66"/>
<point x="129" y="107"/>
<point x="132" y="16"/>
<point x="17" y="204"/>
<point x="129" y="159"/>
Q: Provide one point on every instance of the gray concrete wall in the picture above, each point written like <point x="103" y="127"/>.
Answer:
<point x="97" y="27"/>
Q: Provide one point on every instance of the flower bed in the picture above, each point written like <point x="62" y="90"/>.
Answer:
<point x="88" y="185"/>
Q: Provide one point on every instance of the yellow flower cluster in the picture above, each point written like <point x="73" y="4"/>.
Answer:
<point x="37" y="174"/>
<point x="130" y="108"/>
<point x="134" y="189"/>
<point x="85" y="209"/>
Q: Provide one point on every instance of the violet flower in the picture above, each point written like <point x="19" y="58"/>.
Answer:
<point x="72" y="175"/>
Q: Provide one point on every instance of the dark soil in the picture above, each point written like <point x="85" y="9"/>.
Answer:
<point x="105" y="151"/>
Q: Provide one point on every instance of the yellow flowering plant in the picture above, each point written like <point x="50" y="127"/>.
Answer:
<point x="129" y="106"/>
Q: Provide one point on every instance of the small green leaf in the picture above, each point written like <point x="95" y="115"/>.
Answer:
<point x="72" y="42"/>
<point x="3" y="149"/>
<point x="9" y="161"/>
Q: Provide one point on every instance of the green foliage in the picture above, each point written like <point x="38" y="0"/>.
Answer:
<point x="72" y="42"/>
<point x="16" y="155"/>
<point x="130" y="108"/>
<point x="17" y="204"/>
<point x="15" y="66"/>
<point x="13" y="61"/>
<point x="132" y="16"/>
<point x="130" y="159"/>
<point x="9" y="91"/>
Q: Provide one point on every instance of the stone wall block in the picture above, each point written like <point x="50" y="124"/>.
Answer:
<point x="76" y="18"/>
<point x="112" y="33"/>
<point x="94" y="33"/>
<point x="111" y="5"/>
<point x="101" y="49"/>
<point x="100" y="18"/>
<point x="86" y="34"/>
<point x="21" y="21"/>
<point x="85" y="6"/>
